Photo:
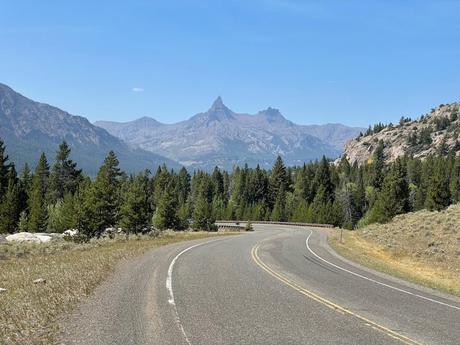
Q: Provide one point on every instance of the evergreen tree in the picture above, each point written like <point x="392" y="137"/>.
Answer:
<point x="279" y="209"/>
<point x="61" y="215"/>
<point x="23" y="224"/>
<point x="9" y="208"/>
<point x="38" y="214"/>
<point x="203" y="218"/>
<point x="455" y="181"/>
<point x="438" y="194"/>
<point x="184" y="186"/>
<point x="25" y="182"/>
<point x="394" y="197"/>
<point x="64" y="177"/>
<point x="105" y="199"/>
<point x="86" y="217"/>
<point x="378" y="164"/>
<point x="278" y="181"/>
<point x="134" y="211"/>
<point x="323" y="181"/>
<point x="165" y="216"/>
<point x="5" y="167"/>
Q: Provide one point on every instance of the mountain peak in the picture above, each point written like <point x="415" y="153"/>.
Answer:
<point x="218" y="104"/>
<point x="218" y="101"/>
<point x="272" y="115"/>
<point x="218" y="111"/>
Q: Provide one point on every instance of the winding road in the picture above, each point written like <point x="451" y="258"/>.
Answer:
<point x="277" y="285"/>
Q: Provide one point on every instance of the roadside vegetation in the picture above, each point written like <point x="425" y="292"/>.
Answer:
<point x="423" y="247"/>
<point x="70" y="272"/>
<point x="61" y="197"/>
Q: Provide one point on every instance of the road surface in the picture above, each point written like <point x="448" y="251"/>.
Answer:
<point x="278" y="285"/>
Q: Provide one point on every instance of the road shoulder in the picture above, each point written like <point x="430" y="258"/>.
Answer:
<point x="375" y="259"/>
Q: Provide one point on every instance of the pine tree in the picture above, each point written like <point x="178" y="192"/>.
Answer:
<point x="203" y="217"/>
<point x="9" y="208"/>
<point x="455" y="181"/>
<point x="279" y="209"/>
<point x="394" y="197"/>
<point x="218" y="183"/>
<point x="87" y="219"/>
<point x="278" y="181"/>
<point x="134" y="211"/>
<point x="38" y="215"/>
<point x="105" y="198"/>
<point x="64" y="177"/>
<point x="378" y="165"/>
<point x="62" y="215"/>
<point x="184" y="186"/>
<point x="25" y="182"/>
<point x="438" y="194"/>
<point x="23" y="223"/>
<point x="4" y="169"/>
<point x="323" y="181"/>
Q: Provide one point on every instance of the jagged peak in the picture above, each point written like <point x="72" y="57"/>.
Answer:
<point x="219" y="110"/>
<point x="218" y="104"/>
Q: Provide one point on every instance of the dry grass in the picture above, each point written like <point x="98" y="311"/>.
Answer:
<point x="423" y="247"/>
<point x="72" y="271"/>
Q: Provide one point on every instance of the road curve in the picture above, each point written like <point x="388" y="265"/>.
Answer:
<point x="278" y="285"/>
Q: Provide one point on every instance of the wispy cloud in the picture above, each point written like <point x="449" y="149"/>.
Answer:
<point x="137" y="89"/>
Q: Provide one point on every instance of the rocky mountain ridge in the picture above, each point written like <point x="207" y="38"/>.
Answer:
<point x="225" y="138"/>
<point x="30" y="127"/>
<point x="436" y="132"/>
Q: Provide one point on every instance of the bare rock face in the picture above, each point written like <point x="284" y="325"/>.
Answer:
<point x="434" y="133"/>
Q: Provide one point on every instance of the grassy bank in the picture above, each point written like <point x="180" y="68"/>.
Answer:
<point x="72" y="271"/>
<point x="422" y="247"/>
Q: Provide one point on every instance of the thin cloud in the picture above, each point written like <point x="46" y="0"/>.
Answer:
<point x="137" y="89"/>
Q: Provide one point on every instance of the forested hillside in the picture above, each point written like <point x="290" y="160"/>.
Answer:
<point x="62" y="197"/>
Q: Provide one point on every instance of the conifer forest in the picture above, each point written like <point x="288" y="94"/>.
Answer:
<point x="57" y="197"/>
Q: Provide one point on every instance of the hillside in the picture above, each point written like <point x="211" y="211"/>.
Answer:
<point x="434" y="133"/>
<point x="30" y="127"/>
<point x="224" y="138"/>
<point x="421" y="246"/>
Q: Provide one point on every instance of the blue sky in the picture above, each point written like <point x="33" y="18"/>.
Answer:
<point x="354" y="62"/>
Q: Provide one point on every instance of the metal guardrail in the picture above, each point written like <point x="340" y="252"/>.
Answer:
<point x="275" y="223"/>
<point x="226" y="226"/>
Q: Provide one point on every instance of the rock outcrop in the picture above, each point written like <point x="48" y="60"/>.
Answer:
<point x="434" y="133"/>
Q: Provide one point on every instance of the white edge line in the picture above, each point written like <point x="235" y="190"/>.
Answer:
<point x="170" y="289"/>
<point x="375" y="281"/>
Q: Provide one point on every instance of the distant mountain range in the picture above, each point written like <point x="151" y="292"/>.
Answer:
<point x="221" y="137"/>
<point x="29" y="127"/>
<point x="218" y="136"/>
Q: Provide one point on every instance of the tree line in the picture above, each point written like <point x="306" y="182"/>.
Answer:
<point x="61" y="197"/>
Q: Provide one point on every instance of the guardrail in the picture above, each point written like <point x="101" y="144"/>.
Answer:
<point x="226" y="226"/>
<point x="275" y="223"/>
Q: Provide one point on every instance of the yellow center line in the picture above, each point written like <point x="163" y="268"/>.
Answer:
<point x="326" y="302"/>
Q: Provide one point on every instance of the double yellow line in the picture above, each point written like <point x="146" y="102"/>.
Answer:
<point x="326" y="302"/>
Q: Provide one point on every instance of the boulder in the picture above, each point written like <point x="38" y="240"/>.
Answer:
<point x="39" y="281"/>
<point x="28" y="237"/>
<point x="71" y="232"/>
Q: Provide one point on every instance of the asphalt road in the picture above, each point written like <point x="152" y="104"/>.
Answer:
<point x="278" y="285"/>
